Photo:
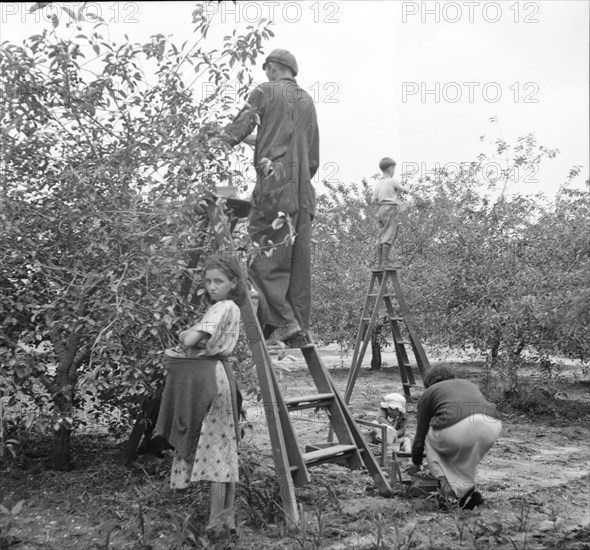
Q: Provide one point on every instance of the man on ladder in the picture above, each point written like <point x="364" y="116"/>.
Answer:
<point x="286" y="158"/>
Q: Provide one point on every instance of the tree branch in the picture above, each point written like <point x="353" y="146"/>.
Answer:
<point x="104" y="330"/>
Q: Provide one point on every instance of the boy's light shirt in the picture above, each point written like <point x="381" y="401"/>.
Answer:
<point x="387" y="190"/>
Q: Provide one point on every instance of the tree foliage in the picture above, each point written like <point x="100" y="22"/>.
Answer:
<point x="482" y="269"/>
<point x="344" y="237"/>
<point x="107" y="152"/>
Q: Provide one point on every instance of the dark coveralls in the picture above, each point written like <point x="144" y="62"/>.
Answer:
<point x="288" y="136"/>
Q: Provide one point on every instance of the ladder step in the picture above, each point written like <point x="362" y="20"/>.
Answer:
<point x="410" y="385"/>
<point x="310" y="401"/>
<point x="329" y="454"/>
<point x="398" y="319"/>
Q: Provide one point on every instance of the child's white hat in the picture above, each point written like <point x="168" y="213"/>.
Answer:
<point x="394" y="401"/>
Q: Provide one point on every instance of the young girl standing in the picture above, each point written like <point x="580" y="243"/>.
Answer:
<point x="200" y="402"/>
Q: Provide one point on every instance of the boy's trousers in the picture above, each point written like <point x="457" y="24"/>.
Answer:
<point x="388" y="223"/>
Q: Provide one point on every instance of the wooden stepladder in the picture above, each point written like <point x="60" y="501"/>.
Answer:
<point x="384" y="287"/>
<point x="291" y="464"/>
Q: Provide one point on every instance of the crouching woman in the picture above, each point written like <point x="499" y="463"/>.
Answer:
<point x="456" y="426"/>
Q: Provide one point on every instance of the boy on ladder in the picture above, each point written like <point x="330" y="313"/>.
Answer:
<point x="387" y="194"/>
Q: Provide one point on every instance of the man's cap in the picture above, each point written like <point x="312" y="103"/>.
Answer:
<point x="394" y="401"/>
<point x="283" y="57"/>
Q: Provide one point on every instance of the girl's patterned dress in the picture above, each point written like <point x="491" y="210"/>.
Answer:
<point x="216" y="457"/>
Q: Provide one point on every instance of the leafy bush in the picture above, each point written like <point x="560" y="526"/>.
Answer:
<point x="105" y="167"/>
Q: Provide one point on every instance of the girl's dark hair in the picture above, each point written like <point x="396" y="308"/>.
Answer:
<point x="438" y="374"/>
<point x="232" y="270"/>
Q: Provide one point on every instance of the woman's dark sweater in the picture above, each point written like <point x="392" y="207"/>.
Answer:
<point x="444" y="404"/>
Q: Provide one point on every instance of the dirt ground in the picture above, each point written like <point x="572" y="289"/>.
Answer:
<point x="535" y="480"/>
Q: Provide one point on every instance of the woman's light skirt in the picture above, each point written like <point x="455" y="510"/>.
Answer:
<point x="456" y="451"/>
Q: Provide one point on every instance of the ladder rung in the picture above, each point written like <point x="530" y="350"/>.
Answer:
<point x="401" y="454"/>
<point x="314" y="458"/>
<point x="386" y="295"/>
<point x="398" y="319"/>
<point x="410" y="385"/>
<point x="309" y="401"/>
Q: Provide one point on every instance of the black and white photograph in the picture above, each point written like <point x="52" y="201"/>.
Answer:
<point x="301" y="275"/>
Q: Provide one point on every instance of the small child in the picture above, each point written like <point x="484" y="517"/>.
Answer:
<point x="392" y="413"/>
<point x="201" y="401"/>
<point x="386" y="194"/>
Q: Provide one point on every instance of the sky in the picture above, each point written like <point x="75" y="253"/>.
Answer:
<point x="418" y="81"/>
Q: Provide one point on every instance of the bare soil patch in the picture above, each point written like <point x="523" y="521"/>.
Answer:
<point x="535" y="481"/>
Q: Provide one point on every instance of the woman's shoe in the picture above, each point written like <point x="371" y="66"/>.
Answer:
<point x="472" y="499"/>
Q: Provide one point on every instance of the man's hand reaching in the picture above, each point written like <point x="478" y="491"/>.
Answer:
<point x="265" y="166"/>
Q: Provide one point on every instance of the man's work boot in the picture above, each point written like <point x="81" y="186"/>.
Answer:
<point x="280" y="334"/>
<point x="301" y="340"/>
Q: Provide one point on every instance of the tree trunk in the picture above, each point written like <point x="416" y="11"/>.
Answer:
<point x="495" y="350"/>
<point x="519" y="347"/>
<point x="513" y="363"/>
<point x="66" y="377"/>
<point x="72" y="354"/>
<point x="376" y="360"/>
<point x="491" y="361"/>
<point x="61" y="456"/>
